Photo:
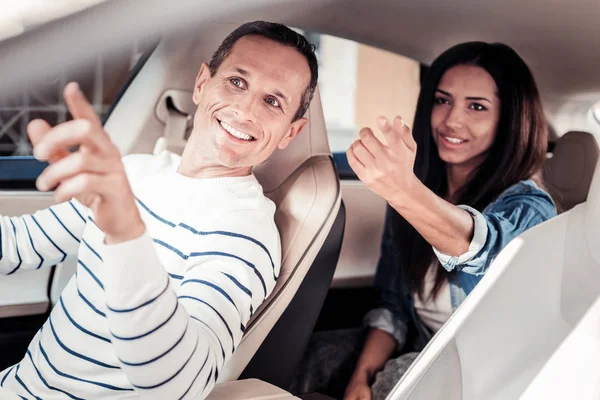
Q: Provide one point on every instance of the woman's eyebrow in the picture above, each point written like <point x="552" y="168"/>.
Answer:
<point x="472" y="98"/>
<point x="479" y="99"/>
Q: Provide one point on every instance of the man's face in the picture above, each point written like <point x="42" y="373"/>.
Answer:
<point x="245" y="110"/>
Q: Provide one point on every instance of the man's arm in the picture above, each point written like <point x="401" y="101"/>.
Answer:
<point x="173" y="343"/>
<point x="185" y="335"/>
<point x="42" y="239"/>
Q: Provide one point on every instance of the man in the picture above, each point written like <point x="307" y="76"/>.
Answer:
<point x="174" y="254"/>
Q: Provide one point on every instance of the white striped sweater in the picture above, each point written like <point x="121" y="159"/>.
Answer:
<point x="156" y="317"/>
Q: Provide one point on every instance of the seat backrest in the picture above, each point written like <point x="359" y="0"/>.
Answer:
<point x="303" y="183"/>
<point x="301" y="180"/>
<point x="568" y="173"/>
<point x="531" y="327"/>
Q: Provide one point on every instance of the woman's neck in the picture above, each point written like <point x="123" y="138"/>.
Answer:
<point x="458" y="176"/>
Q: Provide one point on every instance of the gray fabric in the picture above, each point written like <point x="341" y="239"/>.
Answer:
<point x="386" y="379"/>
<point x="329" y="362"/>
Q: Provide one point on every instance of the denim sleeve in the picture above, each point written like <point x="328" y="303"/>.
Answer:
<point x="500" y="223"/>
<point x="390" y="315"/>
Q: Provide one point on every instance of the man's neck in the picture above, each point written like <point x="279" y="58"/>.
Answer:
<point x="207" y="171"/>
<point x="198" y="167"/>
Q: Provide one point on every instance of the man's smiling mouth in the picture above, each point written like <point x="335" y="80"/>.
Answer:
<point x="235" y="132"/>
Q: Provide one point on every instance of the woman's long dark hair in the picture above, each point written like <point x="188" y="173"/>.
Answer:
<point x="517" y="153"/>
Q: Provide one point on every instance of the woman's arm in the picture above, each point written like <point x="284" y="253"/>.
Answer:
<point x="446" y="227"/>
<point x="378" y="348"/>
<point x="387" y="169"/>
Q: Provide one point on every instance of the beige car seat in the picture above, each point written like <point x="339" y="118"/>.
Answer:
<point x="301" y="180"/>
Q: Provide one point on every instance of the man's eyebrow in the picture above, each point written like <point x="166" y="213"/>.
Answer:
<point x="281" y="96"/>
<point x="241" y="71"/>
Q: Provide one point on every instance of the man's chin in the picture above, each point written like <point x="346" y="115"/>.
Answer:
<point x="232" y="160"/>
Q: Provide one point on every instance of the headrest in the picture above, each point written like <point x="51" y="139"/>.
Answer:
<point x="592" y="215"/>
<point x="569" y="171"/>
<point x="312" y="141"/>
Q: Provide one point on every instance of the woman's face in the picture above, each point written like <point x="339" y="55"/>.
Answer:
<point x="465" y="115"/>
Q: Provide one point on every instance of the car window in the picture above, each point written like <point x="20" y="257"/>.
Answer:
<point x="100" y="80"/>
<point x="358" y="83"/>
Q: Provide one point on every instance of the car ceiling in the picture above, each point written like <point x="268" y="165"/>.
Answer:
<point x="558" y="39"/>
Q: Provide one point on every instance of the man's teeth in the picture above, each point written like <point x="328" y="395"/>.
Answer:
<point x="453" y="140"/>
<point x="234" y="132"/>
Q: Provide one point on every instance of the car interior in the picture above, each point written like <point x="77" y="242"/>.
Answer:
<point x="528" y="330"/>
<point x="540" y="309"/>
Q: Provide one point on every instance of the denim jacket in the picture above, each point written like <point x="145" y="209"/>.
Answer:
<point x="517" y="209"/>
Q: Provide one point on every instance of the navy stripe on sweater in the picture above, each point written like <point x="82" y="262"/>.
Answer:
<point x="17" y="247"/>
<point x="207" y="233"/>
<point x="176" y="373"/>
<point x="74" y="353"/>
<point x="218" y="314"/>
<point x="46" y="383"/>
<point x="139" y="364"/>
<point x="214" y="253"/>
<point x="151" y="331"/>
<point x="63" y="225"/>
<point x="127" y="310"/>
<point x="32" y="245"/>
<point x="196" y="377"/>
<point x="48" y="237"/>
<point x="75" y="378"/>
<point x="81" y="328"/>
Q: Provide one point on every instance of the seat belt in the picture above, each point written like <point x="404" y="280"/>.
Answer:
<point x="174" y="137"/>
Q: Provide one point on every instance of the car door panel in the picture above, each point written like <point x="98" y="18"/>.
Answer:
<point x="25" y="292"/>
<point x="362" y="236"/>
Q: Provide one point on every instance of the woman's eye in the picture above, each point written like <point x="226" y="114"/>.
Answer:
<point x="478" y="107"/>
<point x="272" y="101"/>
<point x="441" y="100"/>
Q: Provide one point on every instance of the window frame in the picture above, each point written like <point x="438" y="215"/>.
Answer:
<point x="21" y="172"/>
<point x="595" y="109"/>
<point x="340" y="159"/>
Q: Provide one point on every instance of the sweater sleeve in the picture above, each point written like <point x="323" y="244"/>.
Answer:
<point x="171" y="340"/>
<point x="42" y="239"/>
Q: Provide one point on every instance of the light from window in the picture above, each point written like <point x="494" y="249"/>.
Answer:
<point x="100" y="80"/>
<point x="596" y="111"/>
<point x="358" y="83"/>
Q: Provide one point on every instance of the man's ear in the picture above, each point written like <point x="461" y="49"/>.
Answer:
<point x="201" y="79"/>
<point x="294" y="131"/>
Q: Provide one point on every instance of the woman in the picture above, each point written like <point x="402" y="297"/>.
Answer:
<point x="463" y="184"/>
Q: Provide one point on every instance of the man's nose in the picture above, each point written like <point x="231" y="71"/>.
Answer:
<point x="245" y="108"/>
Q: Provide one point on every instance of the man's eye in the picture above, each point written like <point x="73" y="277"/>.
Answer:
<point x="272" y="101"/>
<point x="237" y="82"/>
